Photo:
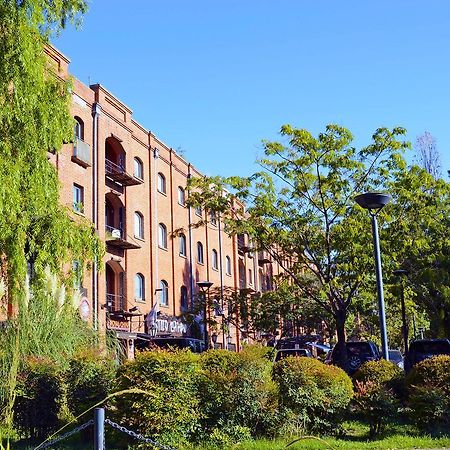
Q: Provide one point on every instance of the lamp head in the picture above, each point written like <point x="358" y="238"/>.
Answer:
<point x="372" y="200"/>
<point x="400" y="272"/>
<point x="204" y="285"/>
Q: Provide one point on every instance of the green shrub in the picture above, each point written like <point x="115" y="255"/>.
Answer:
<point x="236" y="393"/>
<point x="168" y="409"/>
<point x="312" y="395"/>
<point x="39" y="395"/>
<point x="428" y="386"/>
<point x="89" y="379"/>
<point x="380" y="372"/>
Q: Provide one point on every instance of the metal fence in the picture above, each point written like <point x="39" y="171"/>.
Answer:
<point x="98" y="422"/>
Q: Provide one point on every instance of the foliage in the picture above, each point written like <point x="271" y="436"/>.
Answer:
<point x="237" y="391"/>
<point x="428" y="154"/>
<point x="312" y="394"/>
<point x="40" y="390"/>
<point x="428" y="384"/>
<point x="300" y="209"/>
<point x="378" y="385"/>
<point x="169" y="410"/>
<point x="35" y="230"/>
<point x="89" y="378"/>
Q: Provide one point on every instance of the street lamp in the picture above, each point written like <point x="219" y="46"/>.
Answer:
<point x="204" y="286"/>
<point x="214" y="337"/>
<point x="374" y="203"/>
<point x="403" y="273"/>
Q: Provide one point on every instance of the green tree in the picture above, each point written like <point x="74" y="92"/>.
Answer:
<point x="300" y="209"/>
<point x="35" y="230"/>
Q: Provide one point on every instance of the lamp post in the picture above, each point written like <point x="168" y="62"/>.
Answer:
<point x="402" y="273"/>
<point x="214" y="337"/>
<point x="204" y="288"/>
<point x="374" y="203"/>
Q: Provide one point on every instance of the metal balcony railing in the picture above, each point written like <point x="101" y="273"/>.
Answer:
<point x="81" y="152"/>
<point x="117" y="173"/>
<point x="118" y="238"/>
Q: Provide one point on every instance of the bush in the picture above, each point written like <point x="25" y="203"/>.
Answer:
<point x="236" y="394"/>
<point x="168" y="407"/>
<point x="312" y="395"/>
<point x="39" y="395"/>
<point x="378" y="385"/>
<point x="90" y="378"/>
<point x="428" y="386"/>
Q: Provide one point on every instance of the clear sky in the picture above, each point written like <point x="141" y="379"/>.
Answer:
<point x="212" y="78"/>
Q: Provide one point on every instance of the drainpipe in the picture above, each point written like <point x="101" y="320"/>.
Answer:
<point x="219" y="223"/>
<point x="156" y="227"/>
<point x="191" y="266"/>
<point x="96" y="110"/>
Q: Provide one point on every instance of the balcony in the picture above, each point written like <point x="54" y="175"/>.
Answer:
<point x="264" y="257"/>
<point x="243" y="246"/>
<point x="117" y="238"/>
<point x="117" y="173"/>
<point x="81" y="153"/>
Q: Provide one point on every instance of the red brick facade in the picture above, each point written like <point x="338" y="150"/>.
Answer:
<point x="131" y="186"/>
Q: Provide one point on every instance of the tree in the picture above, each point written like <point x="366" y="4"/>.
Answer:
<point x="35" y="230"/>
<point x="428" y="154"/>
<point x="300" y="209"/>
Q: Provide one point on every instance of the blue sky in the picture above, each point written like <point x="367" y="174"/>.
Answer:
<point x="212" y="78"/>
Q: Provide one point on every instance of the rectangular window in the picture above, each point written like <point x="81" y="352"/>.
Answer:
<point x="78" y="198"/>
<point x="250" y="277"/>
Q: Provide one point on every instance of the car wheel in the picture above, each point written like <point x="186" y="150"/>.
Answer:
<point x="354" y="363"/>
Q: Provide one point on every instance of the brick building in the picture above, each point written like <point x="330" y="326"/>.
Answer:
<point x="131" y="185"/>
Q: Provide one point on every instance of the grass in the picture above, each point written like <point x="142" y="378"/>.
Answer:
<point x="355" y="438"/>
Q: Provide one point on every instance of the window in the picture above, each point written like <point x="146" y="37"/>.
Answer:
<point x="138" y="169"/>
<point x="213" y="218"/>
<point x="183" y="297"/>
<point x="139" y="287"/>
<point x="250" y="277"/>
<point x="78" y="198"/>
<point x="77" y="275"/>
<point x="228" y="265"/>
<point x="79" y="128"/>
<point x="198" y="211"/>
<point x="162" y="236"/>
<point x="181" y="196"/>
<point x="199" y="252"/>
<point x="182" y="245"/>
<point x="215" y="261"/>
<point x="164" y="298"/>
<point x="161" y="183"/>
<point x="138" y="225"/>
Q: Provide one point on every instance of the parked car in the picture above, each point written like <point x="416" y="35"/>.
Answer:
<point x="424" y="349"/>
<point x="358" y="352"/>
<point x="396" y="357"/>
<point x="144" y="341"/>
<point x="285" y="352"/>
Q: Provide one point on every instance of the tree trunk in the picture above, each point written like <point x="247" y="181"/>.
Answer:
<point x="340" y="318"/>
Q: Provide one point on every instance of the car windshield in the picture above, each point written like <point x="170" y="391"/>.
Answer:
<point x="395" y="355"/>
<point x="431" y="347"/>
<point x="285" y="353"/>
<point x="359" y="348"/>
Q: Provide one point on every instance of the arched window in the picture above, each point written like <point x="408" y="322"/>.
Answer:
<point x="184" y="297"/>
<point x="139" y="287"/>
<point x="199" y="252"/>
<point x="181" y="196"/>
<point x="162" y="183"/>
<point x="182" y="245"/>
<point x="79" y="128"/>
<point x="228" y="265"/>
<point x="162" y="236"/>
<point x="164" y="298"/>
<point x="138" y="225"/>
<point x="213" y="218"/>
<point x="138" y="169"/>
<point x="215" y="260"/>
<point x="198" y="211"/>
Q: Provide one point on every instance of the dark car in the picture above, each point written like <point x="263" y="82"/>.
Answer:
<point x="144" y="341"/>
<point x="358" y="352"/>
<point x="396" y="357"/>
<point x="424" y="349"/>
<point x="285" y="352"/>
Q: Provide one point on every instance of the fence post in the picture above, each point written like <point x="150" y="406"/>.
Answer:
<point x="99" y="428"/>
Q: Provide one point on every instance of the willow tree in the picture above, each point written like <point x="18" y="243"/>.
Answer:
<point x="34" y="119"/>
<point x="300" y="209"/>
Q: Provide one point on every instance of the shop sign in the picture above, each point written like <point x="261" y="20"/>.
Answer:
<point x="171" y="325"/>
